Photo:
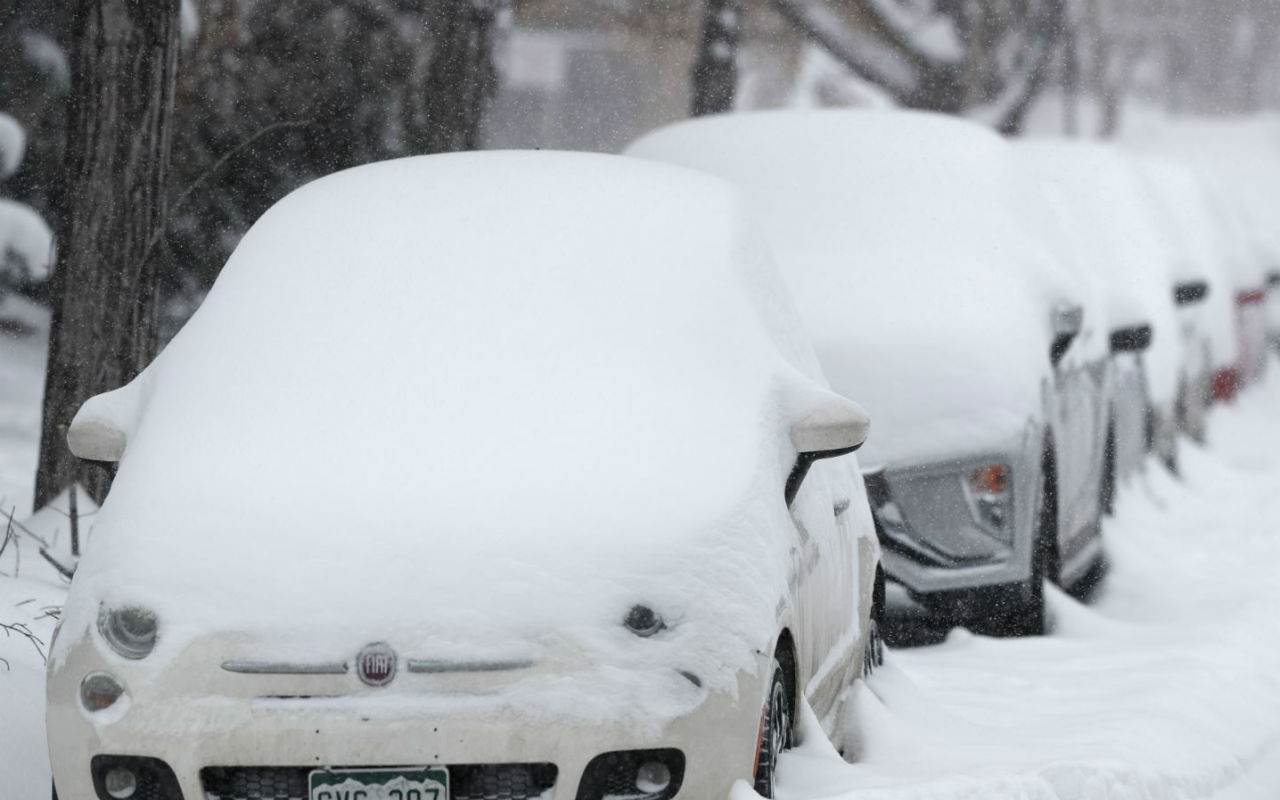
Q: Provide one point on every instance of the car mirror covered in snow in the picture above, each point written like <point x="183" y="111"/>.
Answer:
<point x="1131" y="340"/>
<point x="836" y="428"/>
<point x="1068" y="320"/>
<point x="1184" y="294"/>
<point x="96" y="440"/>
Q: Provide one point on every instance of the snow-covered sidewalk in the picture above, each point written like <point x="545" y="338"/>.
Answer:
<point x="1168" y="686"/>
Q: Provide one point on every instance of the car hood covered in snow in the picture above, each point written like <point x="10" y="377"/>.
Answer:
<point x="905" y="239"/>
<point x="463" y="400"/>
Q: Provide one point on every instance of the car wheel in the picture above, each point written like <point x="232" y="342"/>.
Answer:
<point x="873" y="650"/>
<point x="775" y="731"/>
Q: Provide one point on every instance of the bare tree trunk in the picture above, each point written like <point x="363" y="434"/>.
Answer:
<point x="715" y="71"/>
<point x="124" y="63"/>
<point x="462" y="75"/>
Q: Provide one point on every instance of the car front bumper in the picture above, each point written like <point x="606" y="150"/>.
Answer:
<point x="334" y="721"/>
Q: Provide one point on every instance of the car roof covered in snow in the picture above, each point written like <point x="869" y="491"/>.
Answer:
<point x="907" y="239"/>
<point x="1111" y="230"/>
<point x="1239" y="161"/>
<point x="466" y="375"/>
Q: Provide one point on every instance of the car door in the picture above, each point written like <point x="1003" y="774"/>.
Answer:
<point x="825" y="579"/>
<point x="1079" y="441"/>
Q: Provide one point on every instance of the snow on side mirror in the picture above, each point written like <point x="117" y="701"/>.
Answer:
<point x="101" y="427"/>
<point x="1068" y="321"/>
<point x="1131" y="340"/>
<point x="1184" y="294"/>
<point x="95" y="440"/>
<point x="1273" y="279"/>
<point x="835" y="429"/>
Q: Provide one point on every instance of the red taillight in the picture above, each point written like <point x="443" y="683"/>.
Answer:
<point x="1250" y="297"/>
<point x="1225" y="383"/>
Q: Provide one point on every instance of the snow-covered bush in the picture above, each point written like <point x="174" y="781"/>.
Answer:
<point x="26" y="242"/>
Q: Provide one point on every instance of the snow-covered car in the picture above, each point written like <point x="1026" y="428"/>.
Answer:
<point x="1246" y="265"/>
<point x="1201" y="288"/>
<point x="910" y="243"/>
<point x="474" y="476"/>
<point x="1115" y="246"/>
<point x="1235" y="160"/>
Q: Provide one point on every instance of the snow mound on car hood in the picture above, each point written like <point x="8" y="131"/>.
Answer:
<point x="906" y="239"/>
<point x="468" y="396"/>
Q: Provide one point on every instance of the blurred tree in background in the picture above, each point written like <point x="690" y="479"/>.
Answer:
<point x="279" y="92"/>
<point x="119" y="122"/>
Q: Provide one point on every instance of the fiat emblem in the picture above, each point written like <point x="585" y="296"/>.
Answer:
<point x="376" y="664"/>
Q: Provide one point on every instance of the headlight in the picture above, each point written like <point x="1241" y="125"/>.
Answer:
<point x="130" y="631"/>
<point x="99" y="690"/>
<point x="989" y="490"/>
<point x="644" y="621"/>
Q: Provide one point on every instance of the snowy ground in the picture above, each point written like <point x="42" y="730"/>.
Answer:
<point x="1167" y="686"/>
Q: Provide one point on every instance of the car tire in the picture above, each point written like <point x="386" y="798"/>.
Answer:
<point x="776" y="722"/>
<point x="873" y="648"/>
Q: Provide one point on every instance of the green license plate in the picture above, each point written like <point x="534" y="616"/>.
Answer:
<point x="392" y="783"/>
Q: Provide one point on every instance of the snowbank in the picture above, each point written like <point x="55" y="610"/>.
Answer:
<point x="13" y="145"/>
<point x="471" y="402"/>
<point x="24" y="336"/>
<point x="26" y="242"/>
<point x="1116" y="247"/>
<point x="908" y="242"/>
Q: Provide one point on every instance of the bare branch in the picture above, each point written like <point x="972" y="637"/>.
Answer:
<point x="816" y="22"/>
<point x="25" y="632"/>
<point x="214" y="167"/>
<point x="65" y="571"/>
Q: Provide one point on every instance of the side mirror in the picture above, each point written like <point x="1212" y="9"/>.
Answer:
<point x="1190" y="292"/>
<point x="95" y="440"/>
<point x="1131" y="340"/>
<point x="1273" y="279"/>
<point x="1067" y="321"/>
<point x="834" y="429"/>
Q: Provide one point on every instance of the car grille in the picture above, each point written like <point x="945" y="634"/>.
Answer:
<point x="466" y="782"/>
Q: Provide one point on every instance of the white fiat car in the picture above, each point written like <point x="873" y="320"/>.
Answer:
<point x="489" y="475"/>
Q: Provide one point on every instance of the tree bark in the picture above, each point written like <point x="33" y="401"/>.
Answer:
<point x="715" y="70"/>
<point x="461" y="77"/>
<point x="104" y="290"/>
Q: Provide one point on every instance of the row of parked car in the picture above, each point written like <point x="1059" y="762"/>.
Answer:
<point x="559" y="498"/>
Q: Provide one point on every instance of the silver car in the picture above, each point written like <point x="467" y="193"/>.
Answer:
<point x="906" y="239"/>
